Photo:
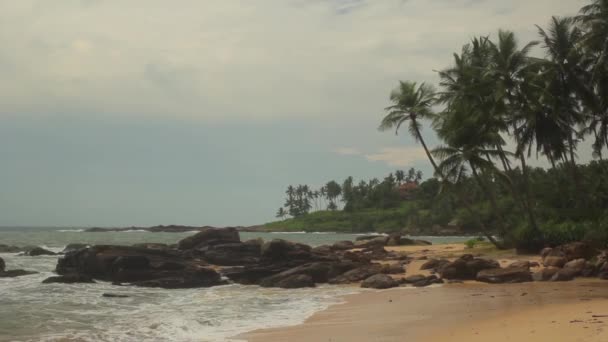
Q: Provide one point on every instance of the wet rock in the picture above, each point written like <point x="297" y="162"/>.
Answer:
<point x="545" y="274"/>
<point x="152" y="245"/>
<point x="427" y="281"/>
<point x="251" y="275"/>
<point x="319" y="272"/>
<point x="2" y="265"/>
<point x="379" y="281"/>
<point x="15" y="273"/>
<point x="368" y="237"/>
<point x="357" y="274"/>
<point x="10" y="249"/>
<point x="114" y="295"/>
<point x="140" y="266"/>
<point x="505" y="275"/>
<point x="279" y="250"/>
<point x="234" y="254"/>
<point x="209" y="237"/>
<point x="296" y="282"/>
<point x="68" y="279"/>
<point x="73" y="247"/>
<point x="37" y="251"/>
<point x="414" y="279"/>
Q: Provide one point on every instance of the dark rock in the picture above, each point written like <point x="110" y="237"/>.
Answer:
<point x="319" y="272"/>
<point x="279" y="250"/>
<point x="392" y="269"/>
<point x="73" y="247"/>
<point x="15" y="273"/>
<point x="201" y="277"/>
<point x="368" y="237"/>
<point x="140" y="266"/>
<point x="323" y="249"/>
<point x="505" y="275"/>
<point x="68" y="279"/>
<point x="576" y="266"/>
<point x="520" y="264"/>
<point x="545" y="274"/>
<point x="379" y="281"/>
<point x="296" y="281"/>
<point x="434" y="264"/>
<point x="379" y="241"/>
<point x="427" y="281"/>
<point x="343" y="245"/>
<point x="250" y="275"/>
<point x="565" y="274"/>
<point x="578" y="250"/>
<point x="151" y="245"/>
<point x="414" y="279"/>
<point x="234" y="254"/>
<point x="10" y="249"/>
<point x="210" y="237"/>
<point x="357" y="274"/>
<point x="466" y="268"/>
<point x="39" y="251"/>
<point x="545" y="251"/>
<point x="555" y="258"/>
<point x="114" y="295"/>
<point x="2" y="265"/>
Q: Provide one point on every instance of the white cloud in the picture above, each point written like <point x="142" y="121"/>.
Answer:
<point x="347" y="151"/>
<point x="398" y="156"/>
<point x="236" y="59"/>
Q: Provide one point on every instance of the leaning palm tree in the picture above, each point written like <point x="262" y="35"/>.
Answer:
<point x="411" y="104"/>
<point x="454" y="162"/>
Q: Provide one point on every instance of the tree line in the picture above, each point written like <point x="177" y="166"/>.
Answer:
<point x="495" y="92"/>
<point x="374" y="193"/>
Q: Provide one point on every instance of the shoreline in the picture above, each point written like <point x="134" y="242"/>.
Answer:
<point x="468" y="311"/>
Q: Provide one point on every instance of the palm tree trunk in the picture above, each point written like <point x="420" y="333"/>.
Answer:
<point x="492" y="199"/>
<point x="426" y="150"/>
<point x="482" y="226"/>
<point x="528" y="194"/>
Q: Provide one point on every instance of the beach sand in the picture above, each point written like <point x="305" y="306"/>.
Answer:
<point x="568" y="311"/>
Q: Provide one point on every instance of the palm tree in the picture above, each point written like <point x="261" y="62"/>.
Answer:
<point x="399" y="176"/>
<point x="565" y="76"/>
<point x="454" y="162"/>
<point x="411" y="104"/>
<point x="509" y="67"/>
<point x="281" y="213"/>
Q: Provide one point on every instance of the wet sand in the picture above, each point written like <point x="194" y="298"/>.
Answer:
<point x="460" y="312"/>
<point x="469" y="311"/>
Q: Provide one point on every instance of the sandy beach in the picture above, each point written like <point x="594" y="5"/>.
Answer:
<point x="471" y="311"/>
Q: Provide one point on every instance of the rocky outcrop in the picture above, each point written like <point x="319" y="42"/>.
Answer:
<point x="37" y="251"/>
<point x="420" y="280"/>
<point x="565" y="274"/>
<point x="434" y="264"/>
<point x="209" y="237"/>
<point x="234" y="254"/>
<point x="343" y="245"/>
<point x="379" y="281"/>
<point x="554" y="258"/>
<point x="296" y="281"/>
<point x="466" y="267"/>
<point x="10" y="249"/>
<point x="545" y="274"/>
<point x="357" y="274"/>
<point x="505" y="275"/>
<point x="2" y="265"/>
<point x="15" y="273"/>
<point x="68" y="279"/>
<point x="73" y="247"/>
<point x="139" y="266"/>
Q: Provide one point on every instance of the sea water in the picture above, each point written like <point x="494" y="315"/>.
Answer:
<point x="32" y="311"/>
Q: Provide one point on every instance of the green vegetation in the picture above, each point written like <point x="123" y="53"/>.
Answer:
<point x="494" y="98"/>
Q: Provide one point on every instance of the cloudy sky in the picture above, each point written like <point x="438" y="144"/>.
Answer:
<point x="142" y="112"/>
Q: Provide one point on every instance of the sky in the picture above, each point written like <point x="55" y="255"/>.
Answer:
<point x="145" y="112"/>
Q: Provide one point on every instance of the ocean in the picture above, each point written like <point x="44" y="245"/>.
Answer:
<point x="32" y="311"/>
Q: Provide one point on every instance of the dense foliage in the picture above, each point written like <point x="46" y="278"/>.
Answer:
<point x="499" y="106"/>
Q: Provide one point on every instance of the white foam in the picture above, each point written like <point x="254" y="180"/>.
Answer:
<point x="71" y="230"/>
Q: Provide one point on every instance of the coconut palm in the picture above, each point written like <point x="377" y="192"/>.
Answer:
<point x="411" y="104"/>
